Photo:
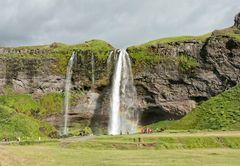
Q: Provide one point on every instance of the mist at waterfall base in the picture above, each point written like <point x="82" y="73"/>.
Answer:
<point x="123" y="108"/>
<point x="67" y="89"/>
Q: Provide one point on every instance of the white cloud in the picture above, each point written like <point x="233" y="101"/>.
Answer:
<point x="123" y="22"/>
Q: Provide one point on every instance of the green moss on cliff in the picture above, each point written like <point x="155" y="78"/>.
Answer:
<point x="187" y="63"/>
<point x="60" y="52"/>
<point x="52" y="102"/>
<point x="146" y="54"/>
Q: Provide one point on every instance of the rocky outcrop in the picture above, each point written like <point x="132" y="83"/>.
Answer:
<point x="167" y="92"/>
<point x="237" y="20"/>
<point x="33" y="76"/>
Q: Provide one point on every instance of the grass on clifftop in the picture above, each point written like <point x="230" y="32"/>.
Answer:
<point x="62" y="52"/>
<point x="232" y="32"/>
<point x="171" y="40"/>
<point x="144" y="52"/>
<point x="221" y="112"/>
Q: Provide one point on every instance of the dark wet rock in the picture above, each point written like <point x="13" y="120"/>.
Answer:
<point x="237" y="20"/>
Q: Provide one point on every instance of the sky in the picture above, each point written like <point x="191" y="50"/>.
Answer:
<point x="120" y="22"/>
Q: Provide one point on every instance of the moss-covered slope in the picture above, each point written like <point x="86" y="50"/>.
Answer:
<point x="22" y="116"/>
<point x="14" y="124"/>
<point x="218" y="113"/>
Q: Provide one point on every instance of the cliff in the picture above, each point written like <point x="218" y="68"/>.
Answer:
<point x="181" y="72"/>
<point x="172" y="75"/>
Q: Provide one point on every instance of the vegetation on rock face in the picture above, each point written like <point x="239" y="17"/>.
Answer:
<point x="63" y="52"/>
<point x="21" y="115"/>
<point x="23" y="103"/>
<point x="59" y="52"/>
<point x="144" y="53"/>
<point x="52" y="102"/>
<point x="79" y="129"/>
<point x="186" y="62"/>
<point x="48" y="104"/>
<point x="15" y="124"/>
<point x="221" y="112"/>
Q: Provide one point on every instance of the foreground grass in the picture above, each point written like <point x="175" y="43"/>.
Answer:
<point x="56" y="155"/>
<point x="161" y="141"/>
<point x="121" y="150"/>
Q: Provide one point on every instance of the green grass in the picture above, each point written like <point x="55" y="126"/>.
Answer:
<point x="52" y="102"/>
<point x="55" y="155"/>
<point x="221" y="112"/>
<point x="177" y="39"/>
<point x="21" y="115"/>
<point x="15" y="124"/>
<point x="143" y="52"/>
<point x="232" y="32"/>
<point x="165" y="149"/>
<point x="166" y="140"/>
<point x="187" y="63"/>
<point x="23" y="103"/>
<point x="48" y="104"/>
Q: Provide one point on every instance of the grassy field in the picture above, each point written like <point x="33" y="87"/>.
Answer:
<point x="118" y="150"/>
<point x="54" y="155"/>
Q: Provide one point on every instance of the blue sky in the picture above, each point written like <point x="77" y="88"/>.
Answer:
<point x="122" y="23"/>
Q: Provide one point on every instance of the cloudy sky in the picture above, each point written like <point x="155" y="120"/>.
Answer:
<point x="120" y="22"/>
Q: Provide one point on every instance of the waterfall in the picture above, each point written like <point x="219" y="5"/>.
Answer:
<point x="67" y="92"/>
<point x="123" y="109"/>
<point x="93" y="69"/>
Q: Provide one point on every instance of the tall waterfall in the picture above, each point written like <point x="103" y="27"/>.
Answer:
<point x="93" y="69"/>
<point x="67" y="89"/>
<point x="123" y="109"/>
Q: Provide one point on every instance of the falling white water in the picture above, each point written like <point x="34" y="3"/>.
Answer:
<point x="123" y="110"/>
<point x="109" y="60"/>
<point x="67" y="89"/>
<point x="93" y="69"/>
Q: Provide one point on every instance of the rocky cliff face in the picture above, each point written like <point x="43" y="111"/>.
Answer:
<point x="171" y="76"/>
<point x="169" y="92"/>
<point x="171" y="87"/>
